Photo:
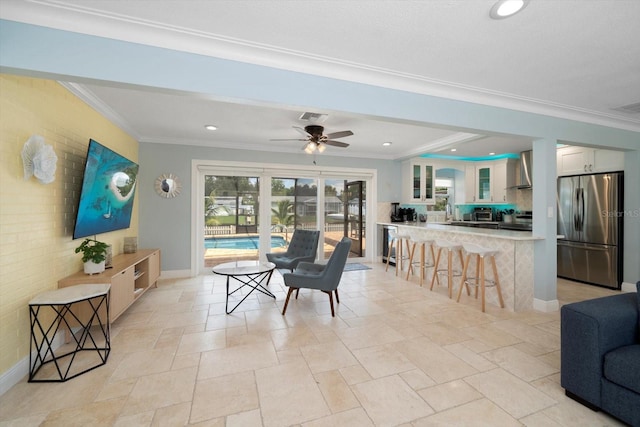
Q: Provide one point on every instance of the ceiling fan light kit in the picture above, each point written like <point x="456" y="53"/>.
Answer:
<point x="316" y="140"/>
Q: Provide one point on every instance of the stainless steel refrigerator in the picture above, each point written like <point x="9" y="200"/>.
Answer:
<point x="590" y="209"/>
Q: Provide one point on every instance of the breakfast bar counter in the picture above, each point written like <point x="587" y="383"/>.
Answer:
<point x="514" y="259"/>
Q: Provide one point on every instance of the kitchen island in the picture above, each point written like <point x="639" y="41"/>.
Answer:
<point x="514" y="259"/>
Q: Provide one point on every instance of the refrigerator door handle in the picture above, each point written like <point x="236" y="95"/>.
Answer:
<point x="574" y="208"/>
<point x="580" y="201"/>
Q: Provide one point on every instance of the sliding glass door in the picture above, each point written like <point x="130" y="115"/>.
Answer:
<point x="250" y="214"/>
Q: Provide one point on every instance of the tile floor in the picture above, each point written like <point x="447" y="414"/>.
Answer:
<point x="395" y="355"/>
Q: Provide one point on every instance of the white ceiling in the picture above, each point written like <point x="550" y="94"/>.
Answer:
<point x="574" y="59"/>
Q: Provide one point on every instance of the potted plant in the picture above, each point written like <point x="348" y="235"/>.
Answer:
<point x="94" y="253"/>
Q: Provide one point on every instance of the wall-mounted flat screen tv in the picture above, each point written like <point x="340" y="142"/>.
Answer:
<point x="108" y="188"/>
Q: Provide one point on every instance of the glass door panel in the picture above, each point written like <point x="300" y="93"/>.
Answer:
<point x="484" y="183"/>
<point x="230" y="218"/>
<point x="354" y="212"/>
<point x="294" y="204"/>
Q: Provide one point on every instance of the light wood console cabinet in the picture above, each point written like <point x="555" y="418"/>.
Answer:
<point x="130" y="277"/>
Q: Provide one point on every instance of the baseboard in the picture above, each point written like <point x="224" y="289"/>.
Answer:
<point x="175" y="274"/>
<point x="546" y="306"/>
<point x="628" y="287"/>
<point x="14" y="375"/>
<point x="17" y="372"/>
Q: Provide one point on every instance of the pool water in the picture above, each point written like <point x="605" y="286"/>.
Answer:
<point x="241" y="242"/>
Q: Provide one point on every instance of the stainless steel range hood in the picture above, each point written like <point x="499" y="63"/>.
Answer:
<point x="526" y="170"/>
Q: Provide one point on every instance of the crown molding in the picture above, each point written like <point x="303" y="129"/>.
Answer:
<point x="96" y="103"/>
<point x="85" y="20"/>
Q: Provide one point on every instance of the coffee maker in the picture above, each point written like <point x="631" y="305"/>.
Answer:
<point x="395" y="213"/>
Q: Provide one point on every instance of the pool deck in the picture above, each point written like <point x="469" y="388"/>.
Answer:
<point x="217" y="256"/>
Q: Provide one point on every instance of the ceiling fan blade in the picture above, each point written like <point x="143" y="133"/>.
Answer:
<point x="294" y="139"/>
<point x="340" y="134"/>
<point x="302" y="131"/>
<point x="336" y="143"/>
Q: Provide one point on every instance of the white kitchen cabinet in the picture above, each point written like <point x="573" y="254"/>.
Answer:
<point x="490" y="182"/>
<point x="583" y="160"/>
<point x="470" y="183"/>
<point x="418" y="177"/>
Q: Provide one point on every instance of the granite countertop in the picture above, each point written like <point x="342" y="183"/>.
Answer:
<point x="499" y="234"/>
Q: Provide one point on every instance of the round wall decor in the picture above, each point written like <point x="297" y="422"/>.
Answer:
<point x="168" y="185"/>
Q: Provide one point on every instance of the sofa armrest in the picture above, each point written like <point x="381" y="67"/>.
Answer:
<point x="590" y="329"/>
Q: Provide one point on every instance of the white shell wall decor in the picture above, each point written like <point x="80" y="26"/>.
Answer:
<point x="39" y="160"/>
<point x="168" y="185"/>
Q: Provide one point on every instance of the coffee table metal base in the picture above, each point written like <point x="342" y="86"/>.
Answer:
<point x="249" y="273"/>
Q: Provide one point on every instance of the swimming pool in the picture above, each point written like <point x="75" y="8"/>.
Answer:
<point x="241" y="242"/>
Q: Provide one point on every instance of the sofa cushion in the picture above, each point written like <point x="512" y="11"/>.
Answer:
<point x="622" y="366"/>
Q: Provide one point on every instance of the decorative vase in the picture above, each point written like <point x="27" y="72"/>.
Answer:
<point x="91" y="267"/>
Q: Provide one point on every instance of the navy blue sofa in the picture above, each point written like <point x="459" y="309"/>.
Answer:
<point x="600" y="354"/>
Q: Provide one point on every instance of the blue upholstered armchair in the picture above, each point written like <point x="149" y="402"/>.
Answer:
<point x="303" y="247"/>
<point x="324" y="278"/>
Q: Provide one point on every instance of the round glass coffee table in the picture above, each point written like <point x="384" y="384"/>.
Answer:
<point x="254" y="274"/>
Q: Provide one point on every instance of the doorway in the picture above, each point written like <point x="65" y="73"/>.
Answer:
<point x="250" y="214"/>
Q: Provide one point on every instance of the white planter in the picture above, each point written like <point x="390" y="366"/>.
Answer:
<point x="91" y="267"/>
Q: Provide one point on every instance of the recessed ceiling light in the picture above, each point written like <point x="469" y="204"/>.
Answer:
<point x="454" y="149"/>
<point x="386" y="144"/>
<point x="210" y="127"/>
<point x="492" y="154"/>
<point x="505" y="8"/>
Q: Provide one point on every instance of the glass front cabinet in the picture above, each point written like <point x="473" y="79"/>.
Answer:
<point x="419" y="182"/>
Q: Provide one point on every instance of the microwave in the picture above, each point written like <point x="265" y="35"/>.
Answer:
<point x="483" y="214"/>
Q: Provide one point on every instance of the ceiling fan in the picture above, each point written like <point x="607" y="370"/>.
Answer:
<point x="316" y="140"/>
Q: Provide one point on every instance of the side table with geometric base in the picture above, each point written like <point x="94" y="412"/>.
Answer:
<point x="82" y="313"/>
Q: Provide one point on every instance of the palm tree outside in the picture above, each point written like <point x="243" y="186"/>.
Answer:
<point x="282" y="216"/>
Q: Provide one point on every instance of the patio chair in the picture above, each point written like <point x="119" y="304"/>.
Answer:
<point x="324" y="278"/>
<point x="303" y="247"/>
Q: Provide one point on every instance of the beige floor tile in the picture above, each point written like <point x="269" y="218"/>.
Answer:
<point x="96" y="414"/>
<point x="490" y="336"/>
<point x="390" y="401"/>
<point x="355" y="374"/>
<point x="28" y="421"/>
<point x="381" y="361"/>
<point x="143" y="363"/>
<point x="479" y="413"/>
<point x="571" y="413"/>
<point x="175" y="415"/>
<point x="291" y="338"/>
<point x="327" y="356"/>
<point x="202" y="341"/>
<point x="138" y="420"/>
<point x="368" y="335"/>
<point x="417" y="379"/>
<point x="448" y="395"/>
<point x="442" y="333"/>
<point x="393" y="348"/>
<point x="436" y="362"/>
<point x="336" y="391"/>
<point x="217" y="363"/>
<point x="233" y="394"/>
<point x="160" y="390"/>
<point x="528" y="333"/>
<point x="514" y="395"/>
<point x="478" y="361"/>
<point x="520" y="364"/>
<point x="245" y="419"/>
<point x="352" y="418"/>
<point x="289" y="395"/>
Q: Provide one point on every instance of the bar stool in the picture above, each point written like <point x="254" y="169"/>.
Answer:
<point x="450" y="247"/>
<point x="397" y="238"/>
<point x="423" y="263"/>
<point x="480" y="280"/>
